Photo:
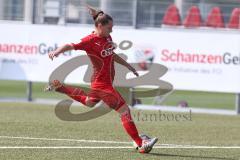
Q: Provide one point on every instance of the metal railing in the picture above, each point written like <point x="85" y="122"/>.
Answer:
<point x="135" y="13"/>
<point x="12" y="10"/>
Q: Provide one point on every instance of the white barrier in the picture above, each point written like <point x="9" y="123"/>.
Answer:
<point x="202" y="60"/>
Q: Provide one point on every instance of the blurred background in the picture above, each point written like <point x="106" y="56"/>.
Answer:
<point x="134" y="13"/>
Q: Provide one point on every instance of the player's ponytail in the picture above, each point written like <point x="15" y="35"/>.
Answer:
<point x="99" y="16"/>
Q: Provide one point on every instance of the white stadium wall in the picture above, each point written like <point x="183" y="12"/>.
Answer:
<point x="199" y="60"/>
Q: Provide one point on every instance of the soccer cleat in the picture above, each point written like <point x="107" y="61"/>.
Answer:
<point x="143" y="137"/>
<point x="52" y="86"/>
<point x="147" y="145"/>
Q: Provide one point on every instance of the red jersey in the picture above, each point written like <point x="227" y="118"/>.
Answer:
<point x="100" y="52"/>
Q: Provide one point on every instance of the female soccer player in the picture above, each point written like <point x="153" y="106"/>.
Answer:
<point x="99" y="47"/>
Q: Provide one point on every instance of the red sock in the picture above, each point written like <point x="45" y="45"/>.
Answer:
<point x="73" y="92"/>
<point x="130" y="127"/>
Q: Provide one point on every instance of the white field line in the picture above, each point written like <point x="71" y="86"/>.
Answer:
<point x="69" y="140"/>
<point x="176" y="146"/>
<point x="117" y="147"/>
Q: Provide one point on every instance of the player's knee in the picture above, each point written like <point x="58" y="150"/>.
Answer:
<point x="91" y="102"/>
<point x="123" y="109"/>
<point x="118" y="105"/>
<point x="125" y="115"/>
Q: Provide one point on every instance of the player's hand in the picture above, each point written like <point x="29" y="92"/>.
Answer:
<point x="134" y="71"/>
<point x="51" y="55"/>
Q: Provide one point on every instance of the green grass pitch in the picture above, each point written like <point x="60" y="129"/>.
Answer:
<point x="21" y="120"/>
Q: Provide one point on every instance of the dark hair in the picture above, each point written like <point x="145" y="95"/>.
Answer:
<point x="102" y="18"/>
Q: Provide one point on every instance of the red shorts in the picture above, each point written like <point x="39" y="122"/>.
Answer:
<point x="108" y="94"/>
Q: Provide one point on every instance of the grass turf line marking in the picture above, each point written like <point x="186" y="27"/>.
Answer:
<point x="174" y="146"/>
<point x="117" y="147"/>
<point x="70" y="140"/>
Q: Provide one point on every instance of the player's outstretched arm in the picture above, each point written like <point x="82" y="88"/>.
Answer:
<point x="121" y="61"/>
<point x="60" y="50"/>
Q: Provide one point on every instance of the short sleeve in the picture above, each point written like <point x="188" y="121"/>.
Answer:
<point x="82" y="45"/>
<point x="110" y="37"/>
<point x="114" y="45"/>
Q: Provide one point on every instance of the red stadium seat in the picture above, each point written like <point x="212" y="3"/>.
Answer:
<point x="215" y="18"/>
<point x="172" y="16"/>
<point x="193" y="18"/>
<point x="234" y="21"/>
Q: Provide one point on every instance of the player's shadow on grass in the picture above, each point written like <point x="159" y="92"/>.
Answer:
<point x="189" y="156"/>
